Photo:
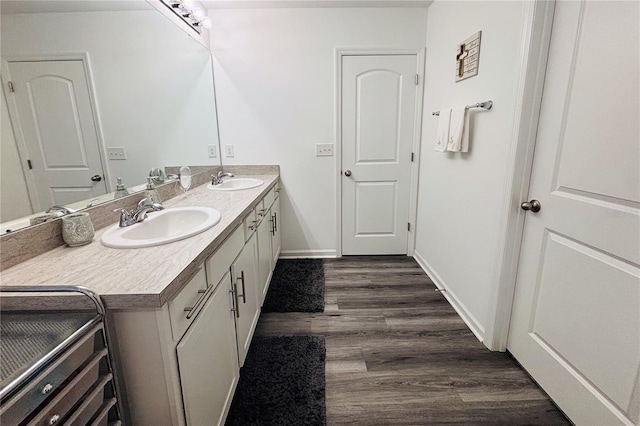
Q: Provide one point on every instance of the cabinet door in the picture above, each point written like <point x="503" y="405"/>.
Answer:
<point x="245" y="278"/>
<point x="276" y="239"/>
<point x="208" y="360"/>
<point x="265" y="260"/>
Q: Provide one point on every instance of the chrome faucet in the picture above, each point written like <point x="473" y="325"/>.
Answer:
<point x="138" y="215"/>
<point x="217" y="179"/>
<point x="62" y="209"/>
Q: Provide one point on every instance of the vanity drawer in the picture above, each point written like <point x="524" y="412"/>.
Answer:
<point x="269" y="198"/>
<point x="249" y="223"/>
<point x="47" y="383"/>
<point x="184" y="307"/>
<point x="219" y="262"/>
<point x="70" y="394"/>
<point x="91" y="405"/>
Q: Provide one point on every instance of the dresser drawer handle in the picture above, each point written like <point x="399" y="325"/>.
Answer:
<point x="53" y="419"/>
<point x="192" y="309"/>
<point x="46" y="389"/>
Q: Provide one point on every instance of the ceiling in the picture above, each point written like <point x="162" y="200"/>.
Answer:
<point x="62" y="6"/>
<point x="257" y="4"/>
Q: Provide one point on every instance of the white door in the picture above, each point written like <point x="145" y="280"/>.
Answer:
<point x="55" y="121"/>
<point x="245" y="277"/>
<point x="265" y="258"/>
<point x="575" y="323"/>
<point x="378" y="121"/>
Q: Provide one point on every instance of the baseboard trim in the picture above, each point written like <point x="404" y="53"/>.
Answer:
<point x="308" y="254"/>
<point x="476" y="328"/>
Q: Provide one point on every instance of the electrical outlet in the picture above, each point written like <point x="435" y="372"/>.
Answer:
<point x="213" y="151"/>
<point x="228" y="150"/>
<point x="324" y="150"/>
<point x="116" y="153"/>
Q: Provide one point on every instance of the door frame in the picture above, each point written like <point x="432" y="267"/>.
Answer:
<point x="536" y="37"/>
<point x="17" y="127"/>
<point x="415" y="165"/>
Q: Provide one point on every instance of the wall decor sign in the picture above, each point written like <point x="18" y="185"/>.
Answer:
<point x="468" y="57"/>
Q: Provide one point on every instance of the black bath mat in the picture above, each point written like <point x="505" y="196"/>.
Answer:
<point x="281" y="383"/>
<point x="297" y="286"/>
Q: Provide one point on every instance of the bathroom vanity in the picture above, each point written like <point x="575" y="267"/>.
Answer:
<point x="182" y="314"/>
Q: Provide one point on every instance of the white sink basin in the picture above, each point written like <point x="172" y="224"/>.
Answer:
<point x="162" y="227"/>
<point x="235" y="184"/>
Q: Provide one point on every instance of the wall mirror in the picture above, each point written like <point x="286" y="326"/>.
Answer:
<point x="93" y="91"/>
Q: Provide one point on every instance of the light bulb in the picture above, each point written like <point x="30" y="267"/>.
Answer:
<point x="206" y="22"/>
<point x="198" y="14"/>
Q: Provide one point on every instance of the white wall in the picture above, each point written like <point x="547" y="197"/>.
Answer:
<point x="459" y="196"/>
<point x="274" y="73"/>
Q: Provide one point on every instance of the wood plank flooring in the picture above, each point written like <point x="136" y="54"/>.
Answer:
<point x="398" y="354"/>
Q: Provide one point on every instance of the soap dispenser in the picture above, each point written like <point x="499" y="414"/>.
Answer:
<point x="121" y="191"/>
<point x="151" y="193"/>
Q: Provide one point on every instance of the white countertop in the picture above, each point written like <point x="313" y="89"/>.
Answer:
<point x="144" y="277"/>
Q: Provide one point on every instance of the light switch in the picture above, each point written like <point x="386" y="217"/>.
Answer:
<point x="324" y="149"/>
<point x="228" y="150"/>
<point x="116" y="153"/>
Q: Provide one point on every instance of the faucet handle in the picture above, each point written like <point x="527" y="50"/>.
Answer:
<point x="125" y="217"/>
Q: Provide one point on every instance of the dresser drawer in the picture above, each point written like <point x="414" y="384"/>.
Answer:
<point x="219" y="262"/>
<point x="102" y="419"/>
<point x="46" y="384"/>
<point x="190" y="299"/>
<point x="91" y="405"/>
<point x="73" y="391"/>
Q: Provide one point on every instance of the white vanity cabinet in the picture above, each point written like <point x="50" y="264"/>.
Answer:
<point x="208" y="362"/>
<point x="180" y="363"/>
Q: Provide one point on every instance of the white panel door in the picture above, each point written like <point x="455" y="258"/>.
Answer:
<point x="378" y="122"/>
<point x="56" y="122"/>
<point x="575" y="323"/>
<point x="248" y="295"/>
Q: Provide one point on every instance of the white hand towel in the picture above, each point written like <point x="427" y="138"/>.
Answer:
<point x="459" y="130"/>
<point x="442" y="137"/>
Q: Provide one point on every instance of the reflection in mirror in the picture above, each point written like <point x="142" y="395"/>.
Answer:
<point x="185" y="178"/>
<point x="96" y="96"/>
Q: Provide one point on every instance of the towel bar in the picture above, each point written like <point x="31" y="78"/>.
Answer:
<point x="486" y="105"/>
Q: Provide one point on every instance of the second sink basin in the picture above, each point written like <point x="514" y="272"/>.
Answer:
<point x="235" y="184"/>
<point x="162" y="227"/>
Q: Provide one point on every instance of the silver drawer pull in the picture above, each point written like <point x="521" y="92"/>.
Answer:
<point x="54" y="419"/>
<point x="192" y="309"/>
<point x="46" y="389"/>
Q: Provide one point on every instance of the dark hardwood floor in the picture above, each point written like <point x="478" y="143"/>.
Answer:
<point x="398" y="354"/>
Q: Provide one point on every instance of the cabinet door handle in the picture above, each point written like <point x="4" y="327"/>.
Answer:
<point x="275" y="222"/>
<point x="233" y="299"/>
<point x="272" y="231"/>
<point x="243" y="295"/>
<point x="253" y="227"/>
<point x="192" y="309"/>
<point x="235" y="290"/>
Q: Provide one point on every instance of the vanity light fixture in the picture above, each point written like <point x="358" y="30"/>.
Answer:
<point x="194" y="16"/>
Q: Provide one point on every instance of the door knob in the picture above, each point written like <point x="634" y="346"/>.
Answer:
<point x="347" y="173"/>
<point x="96" y="178"/>
<point x="533" y="205"/>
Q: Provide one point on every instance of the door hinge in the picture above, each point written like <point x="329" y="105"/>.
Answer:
<point x="29" y="164"/>
<point x="412" y="157"/>
<point x="409" y="226"/>
<point x="10" y="84"/>
<point x="417" y="79"/>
